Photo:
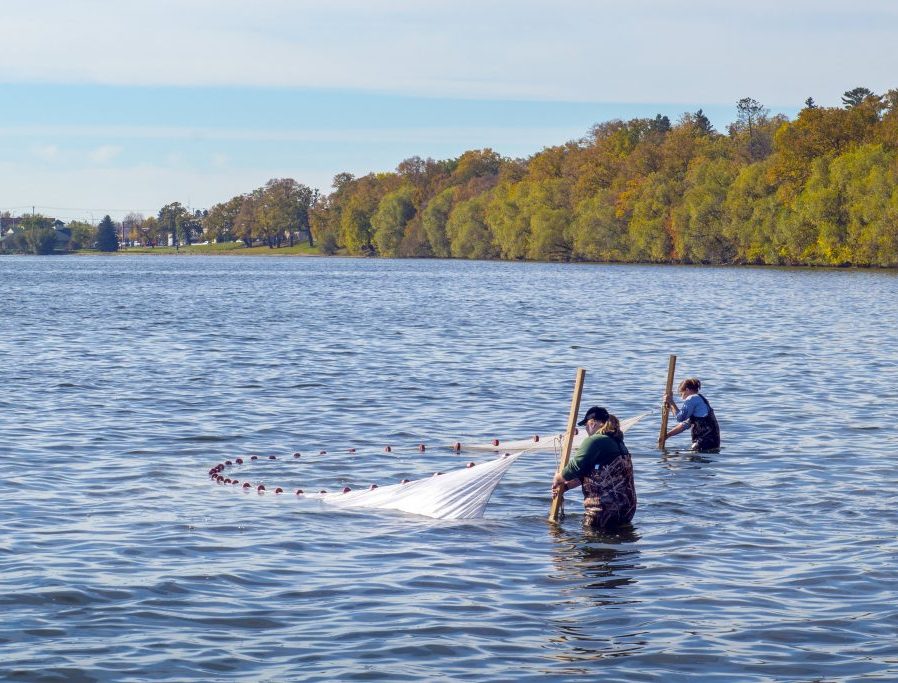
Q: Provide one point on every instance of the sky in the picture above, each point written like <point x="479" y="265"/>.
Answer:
<point x="117" y="107"/>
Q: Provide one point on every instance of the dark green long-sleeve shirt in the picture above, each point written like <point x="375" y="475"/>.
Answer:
<point x="596" y="451"/>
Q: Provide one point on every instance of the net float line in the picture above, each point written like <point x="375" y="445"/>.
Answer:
<point x="494" y="445"/>
<point x="217" y="475"/>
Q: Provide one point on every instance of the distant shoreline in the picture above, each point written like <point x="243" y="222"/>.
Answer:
<point x="301" y="252"/>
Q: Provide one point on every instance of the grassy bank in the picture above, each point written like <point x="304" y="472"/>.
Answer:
<point x="227" y="248"/>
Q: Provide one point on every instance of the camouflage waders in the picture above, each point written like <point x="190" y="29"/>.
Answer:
<point x="609" y="494"/>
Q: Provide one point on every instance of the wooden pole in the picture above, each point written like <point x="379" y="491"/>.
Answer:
<point x="671" y="367"/>
<point x="568" y="440"/>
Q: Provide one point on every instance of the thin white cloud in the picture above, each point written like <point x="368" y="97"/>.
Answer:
<point x="585" y="50"/>
<point x="104" y="153"/>
<point x="487" y="135"/>
<point x="46" y="152"/>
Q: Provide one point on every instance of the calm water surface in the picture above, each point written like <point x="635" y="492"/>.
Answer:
<point x="125" y="379"/>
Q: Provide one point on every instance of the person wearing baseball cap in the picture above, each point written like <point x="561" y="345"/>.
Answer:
<point x="602" y="466"/>
<point x="596" y="413"/>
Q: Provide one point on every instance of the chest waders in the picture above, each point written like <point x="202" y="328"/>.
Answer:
<point x="609" y="494"/>
<point x="705" y="430"/>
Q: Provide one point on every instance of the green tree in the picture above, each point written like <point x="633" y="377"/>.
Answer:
<point x="469" y="236"/>
<point x="475" y="164"/>
<point x="753" y="217"/>
<point x="84" y="235"/>
<point x="191" y="227"/>
<point x="107" y="235"/>
<point x="358" y="201"/>
<point x="171" y="218"/>
<point x="650" y="223"/>
<point x="699" y="218"/>
<point x="599" y="233"/>
<point x="551" y="236"/>
<point x="508" y="220"/>
<point x="149" y="232"/>
<point x="37" y="236"/>
<point x="355" y="227"/>
<point x="390" y="220"/>
<point x="283" y="211"/>
<point x="433" y="222"/>
<point x="245" y="220"/>
<point x="219" y="221"/>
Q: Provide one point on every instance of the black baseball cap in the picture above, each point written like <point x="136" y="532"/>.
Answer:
<point x="594" y="413"/>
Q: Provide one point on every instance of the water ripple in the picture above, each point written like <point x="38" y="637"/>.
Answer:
<point x="125" y="379"/>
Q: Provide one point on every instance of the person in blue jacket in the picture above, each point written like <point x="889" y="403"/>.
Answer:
<point x="696" y="413"/>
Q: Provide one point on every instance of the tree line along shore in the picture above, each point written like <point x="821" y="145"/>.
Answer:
<point x="821" y="189"/>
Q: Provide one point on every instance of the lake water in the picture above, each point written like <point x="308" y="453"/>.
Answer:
<point x="125" y="379"/>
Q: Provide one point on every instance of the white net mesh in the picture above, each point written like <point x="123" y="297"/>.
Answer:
<point x="459" y="494"/>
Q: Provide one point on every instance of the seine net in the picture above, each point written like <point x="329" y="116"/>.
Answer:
<point x="458" y="494"/>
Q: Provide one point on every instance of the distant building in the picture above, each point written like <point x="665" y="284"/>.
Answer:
<point x="12" y="225"/>
<point x="9" y="222"/>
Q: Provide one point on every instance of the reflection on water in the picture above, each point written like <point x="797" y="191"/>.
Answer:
<point x="671" y="458"/>
<point x="597" y="570"/>
<point x="599" y="559"/>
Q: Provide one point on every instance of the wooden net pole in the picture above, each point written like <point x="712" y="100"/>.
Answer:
<point x="671" y="367"/>
<point x="568" y="440"/>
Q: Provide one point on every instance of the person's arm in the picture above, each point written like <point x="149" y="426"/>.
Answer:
<point x="569" y="477"/>
<point x="684" y="413"/>
<point x="676" y="430"/>
<point x="560" y="484"/>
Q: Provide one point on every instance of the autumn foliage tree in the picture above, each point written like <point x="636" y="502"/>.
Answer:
<point x="816" y="190"/>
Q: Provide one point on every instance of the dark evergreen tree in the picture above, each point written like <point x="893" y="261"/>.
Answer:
<point x="852" y="98"/>
<point x="660" y="124"/>
<point x="703" y="123"/>
<point x="107" y="235"/>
